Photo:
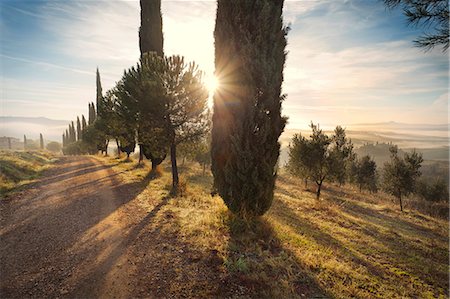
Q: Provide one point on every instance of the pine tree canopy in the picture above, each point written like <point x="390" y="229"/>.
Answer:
<point x="432" y="15"/>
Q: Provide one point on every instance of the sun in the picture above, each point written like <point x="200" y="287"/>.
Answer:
<point x="211" y="83"/>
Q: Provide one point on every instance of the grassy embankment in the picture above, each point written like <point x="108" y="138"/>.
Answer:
<point x="346" y="245"/>
<point x="18" y="168"/>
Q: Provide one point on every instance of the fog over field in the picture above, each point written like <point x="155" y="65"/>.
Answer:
<point x="432" y="140"/>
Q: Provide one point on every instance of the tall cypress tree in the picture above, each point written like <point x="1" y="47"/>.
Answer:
<point x="41" y="141"/>
<point x="67" y="137"/>
<point x="90" y="115"/>
<point x="78" y="128"/>
<point x="250" y="43"/>
<point x="24" y="142"/>
<point x="150" y="40"/>
<point x="73" y="136"/>
<point x="150" y="32"/>
<point x="94" y="112"/>
<point x="83" y="125"/>
<point x="99" y="96"/>
<point x="63" y="140"/>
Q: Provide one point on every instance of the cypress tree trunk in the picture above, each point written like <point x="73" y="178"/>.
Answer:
<point x="173" y="159"/>
<point x="247" y="122"/>
<point x="401" y="204"/>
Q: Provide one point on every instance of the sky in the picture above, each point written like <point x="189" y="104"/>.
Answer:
<point x="348" y="62"/>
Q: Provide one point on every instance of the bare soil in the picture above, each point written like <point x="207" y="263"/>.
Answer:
<point x="79" y="233"/>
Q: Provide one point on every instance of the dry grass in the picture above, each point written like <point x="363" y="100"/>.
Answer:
<point x="346" y="245"/>
<point x="19" y="168"/>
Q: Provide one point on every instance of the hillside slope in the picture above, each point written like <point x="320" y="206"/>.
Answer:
<point x="117" y="224"/>
<point x="346" y="245"/>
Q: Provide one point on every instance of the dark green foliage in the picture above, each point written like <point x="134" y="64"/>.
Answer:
<point x="300" y="164"/>
<point x="433" y="191"/>
<point x="341" y="151"/>
<point x="67" y="137"/>
<point x="92" y="114"/>
<point x="41" y="141"/>
<point x="178" y="105"/>
<point x="150" y="32"/>
<point x="432" y="15"/>
<point x="99" y="96"/>
<point x="135" y="108"/>
<point x="400" y="173"/>
<point x="102" y="120"/>
<point x="78" y="129"/>
<point x="366" y="174"/>
<point x="312" y="157"/>
<point x="250" y="54"/>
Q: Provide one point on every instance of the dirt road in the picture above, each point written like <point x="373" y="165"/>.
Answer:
<point x="62" y="237"/>
<point x="82" y="232"/>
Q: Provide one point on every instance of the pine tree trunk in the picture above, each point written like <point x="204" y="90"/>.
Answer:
<point x="141" y="154"/>
<point x="401" y="204"/>
<point x="173" y="158"/>
<point x="306" y="183"/>
<point x="319" y="187"/>
<point x="118" y="148"/>
<point x="204" y="168"/>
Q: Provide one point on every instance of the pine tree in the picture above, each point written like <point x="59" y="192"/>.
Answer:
<point x="41" y="141"/>
<point x="432" y="15"/>
<point x="78" y="128"/>
<point x="341" y="151"/>
<point x="182" y="106"/>
<point x="400" y="173"/>
<point x="312" y="157"/>
<point x="150" y="40"/>
<point x="250" y="55"/>
<point x="366" y="174"/>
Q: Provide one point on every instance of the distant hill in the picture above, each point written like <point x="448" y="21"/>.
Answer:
<point x="12" y="126"/>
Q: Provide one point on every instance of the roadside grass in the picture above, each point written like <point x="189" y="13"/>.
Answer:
<point x="19" y="168"/>
<point x="346" y="245"/>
